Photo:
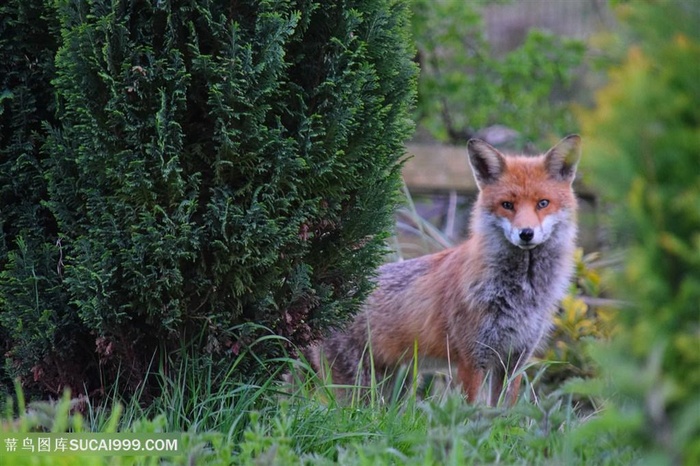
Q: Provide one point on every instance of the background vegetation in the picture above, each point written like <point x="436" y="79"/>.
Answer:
<point x="619" y="385"/>
<point x="644" y="146"/>
<point x="465" y="86"/>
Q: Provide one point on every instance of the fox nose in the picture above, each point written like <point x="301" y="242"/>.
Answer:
<point x="526" y="234"/>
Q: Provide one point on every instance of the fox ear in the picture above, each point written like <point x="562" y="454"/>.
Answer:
<point x="561" y="160"/>
<point x="487" y="163"/>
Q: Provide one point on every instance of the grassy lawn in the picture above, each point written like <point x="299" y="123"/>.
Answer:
<point x="235" y="423"/>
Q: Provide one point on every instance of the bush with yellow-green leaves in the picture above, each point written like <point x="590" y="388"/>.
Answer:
<point x="643" y="152"/>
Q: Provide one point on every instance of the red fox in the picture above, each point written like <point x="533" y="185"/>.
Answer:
<point x="486" y="305"/>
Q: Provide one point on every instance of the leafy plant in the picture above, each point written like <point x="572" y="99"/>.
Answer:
<point x="59" y="417"/>
<point x="584" y="317"/>
<point x="643" y="146"/>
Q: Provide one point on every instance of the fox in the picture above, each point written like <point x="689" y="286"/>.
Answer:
<point x="484" y="306"/>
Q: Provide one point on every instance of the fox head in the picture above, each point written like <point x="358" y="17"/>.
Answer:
<point x="525" y="197"/>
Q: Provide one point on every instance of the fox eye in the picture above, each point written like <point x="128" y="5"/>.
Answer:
<point x="543" y="203"/>
<point x="507" y="205"/>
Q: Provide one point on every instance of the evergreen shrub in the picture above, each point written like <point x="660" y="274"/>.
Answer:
<point x="218" y="167"/>
<point x="33" y="305"/>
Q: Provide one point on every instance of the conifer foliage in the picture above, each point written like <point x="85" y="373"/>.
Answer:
<point x="217" y="164"/>
<point x="32" y="300"/>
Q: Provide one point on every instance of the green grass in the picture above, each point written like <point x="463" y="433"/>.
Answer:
<point x="226" y="422"/>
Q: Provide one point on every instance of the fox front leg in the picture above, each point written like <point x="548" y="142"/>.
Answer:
<point x="471" y="377"/>
<point x="503" y="382"/>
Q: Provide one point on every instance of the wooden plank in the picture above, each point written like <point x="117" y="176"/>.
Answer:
<point x="438" y="167"/>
